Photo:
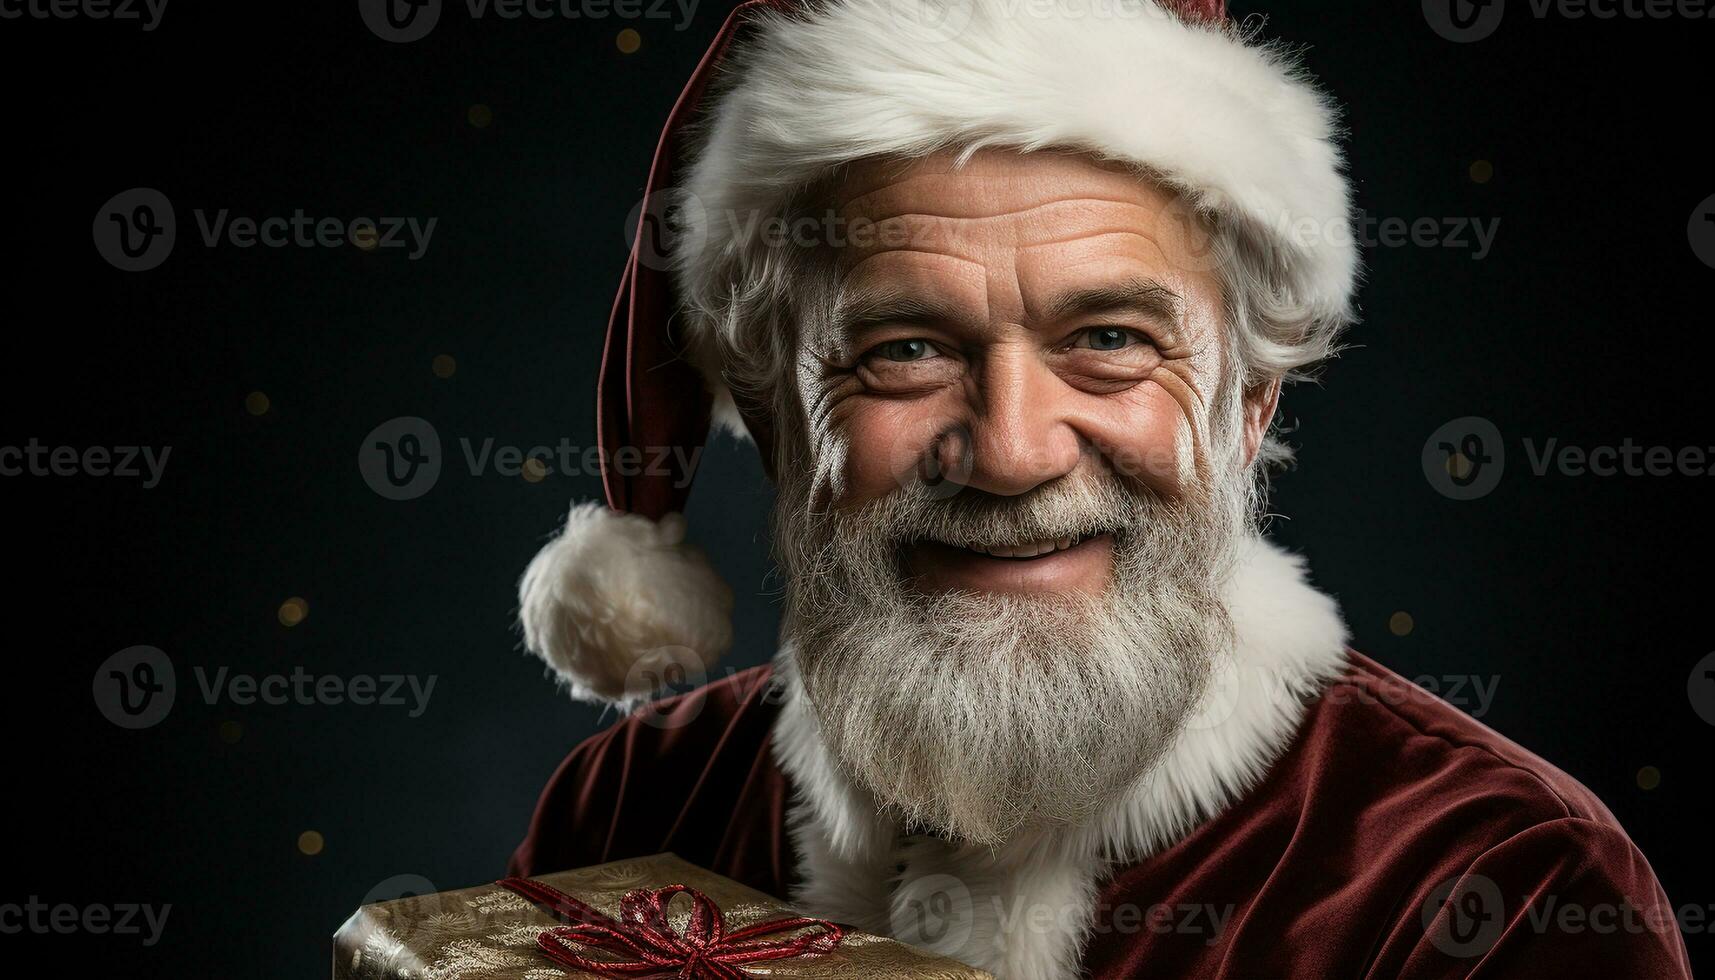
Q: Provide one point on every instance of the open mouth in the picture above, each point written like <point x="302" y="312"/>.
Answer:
<point x="1081" y="563"/>
<point x="1026" y="551"/>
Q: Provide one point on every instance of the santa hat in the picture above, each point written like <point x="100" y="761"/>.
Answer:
<point x="1169" y="86"/>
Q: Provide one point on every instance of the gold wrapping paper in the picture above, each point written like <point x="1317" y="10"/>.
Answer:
<point x="490" y="933"/>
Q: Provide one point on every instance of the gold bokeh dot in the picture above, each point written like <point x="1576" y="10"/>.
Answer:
<point x="443" y="365"/>
<point x="1400" y="623"/>
<point x="365" y="237"/>
<point x="1458" y="466"/>
<point x="310" y="842"/>
<point x="1482" y="172"/>
<point x="534" y="470"/>
<point x="293" y="611"/>
<point x="231" y="732"/>
<point x="1649" y="777"/>
<point x="480" y="115"/>
<point x="629" y="41"/>
<point x="256" y="403"/>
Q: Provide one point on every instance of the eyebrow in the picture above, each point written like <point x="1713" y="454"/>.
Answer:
<point x="865" y="309"/>
<point x="1141" y="296"/>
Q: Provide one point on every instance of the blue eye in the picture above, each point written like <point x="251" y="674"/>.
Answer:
<point x="906" y="350"/>
<point x="1106" y="338"/>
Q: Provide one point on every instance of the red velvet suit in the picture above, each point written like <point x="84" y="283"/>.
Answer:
<point x="1324" y="869"/>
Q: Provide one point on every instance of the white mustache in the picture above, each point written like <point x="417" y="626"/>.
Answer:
<point x="1083" y="504"/>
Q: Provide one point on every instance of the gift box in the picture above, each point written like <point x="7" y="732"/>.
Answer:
<point x="653" y="916"/>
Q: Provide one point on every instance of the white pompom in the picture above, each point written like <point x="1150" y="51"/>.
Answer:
<point x="618" y="602"/>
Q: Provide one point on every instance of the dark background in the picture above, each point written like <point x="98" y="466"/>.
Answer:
<point x="1583" y="598"/>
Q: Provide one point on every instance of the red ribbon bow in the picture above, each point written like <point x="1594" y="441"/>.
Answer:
<point x="646" y="943"/>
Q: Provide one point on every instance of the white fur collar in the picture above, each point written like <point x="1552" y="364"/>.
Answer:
<point x="1023" y="911"/>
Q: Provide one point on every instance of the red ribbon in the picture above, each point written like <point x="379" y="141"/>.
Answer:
<point x="645" y="943"/>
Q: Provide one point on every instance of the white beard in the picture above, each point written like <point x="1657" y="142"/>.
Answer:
<point x="975" y="716"/>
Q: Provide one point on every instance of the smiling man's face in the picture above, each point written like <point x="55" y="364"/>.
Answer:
<point x="1007" y="323"/>
<point x="1026" y="477"/>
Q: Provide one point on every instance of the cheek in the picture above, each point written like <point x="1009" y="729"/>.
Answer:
<point x="885" y="443"/>
<point x="1146" y="435"/>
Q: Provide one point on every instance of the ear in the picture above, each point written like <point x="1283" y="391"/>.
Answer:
<point x="1260" y="403"/>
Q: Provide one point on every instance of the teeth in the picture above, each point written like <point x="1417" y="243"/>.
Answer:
<point x="1029" y="549"/>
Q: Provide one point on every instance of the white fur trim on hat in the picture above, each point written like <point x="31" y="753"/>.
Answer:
<point x="617" y="601"/>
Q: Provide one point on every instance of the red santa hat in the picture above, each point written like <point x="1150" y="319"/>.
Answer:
<point x="1169" y="86"/>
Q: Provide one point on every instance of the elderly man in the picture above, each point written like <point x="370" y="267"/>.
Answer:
<point x="1005" y="295"/>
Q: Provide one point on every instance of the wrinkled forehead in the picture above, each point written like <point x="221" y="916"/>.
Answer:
<point x="878" y="186"/>
<point x="994" y="200"/>
<point x="1009" y="235"/>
